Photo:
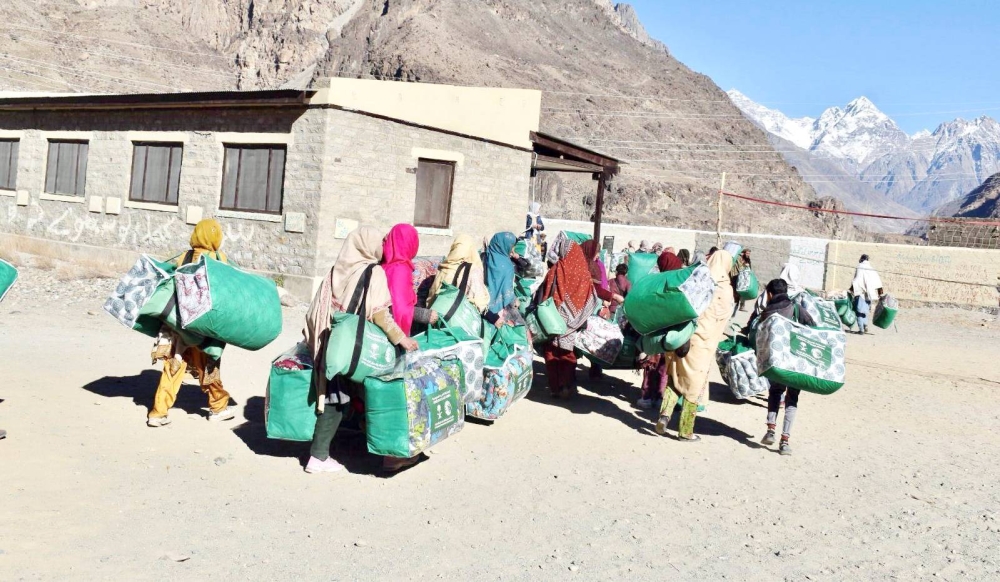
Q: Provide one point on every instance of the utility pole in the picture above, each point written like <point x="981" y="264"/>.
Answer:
<point x="718" y="225"/>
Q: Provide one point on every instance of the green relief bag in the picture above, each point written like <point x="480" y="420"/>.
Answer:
<point x="545" y="322"/>
<point x="824" y="313"/>
<point x="290" y="401"/>
<point x="409" y="412"/>
<point x="747" y="285"/>
<point x="806" y="358"/>
<point x="457" y="311"/>
<point x="846" y="311"/>
<point x="668" y="299"/>
<point x="577" y="237"/>
<point x="641" y="265"/>
<point x="522" y="290"/>
<point x="219" y="301"/>
<point x="667" y="340"/>
<point x="357" y="348"/>
<point x="8" y="274"/>
<point x="885" y="312"/>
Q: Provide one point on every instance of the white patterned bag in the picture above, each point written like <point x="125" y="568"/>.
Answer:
<point x="794" y="355"/>
<point x="601" y="339"/>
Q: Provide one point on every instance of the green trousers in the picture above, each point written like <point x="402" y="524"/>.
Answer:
<point x="688" y="413"/>
<point x="326" y="428"/>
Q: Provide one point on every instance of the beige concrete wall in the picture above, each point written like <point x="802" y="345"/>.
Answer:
<point x="502" y="115"/>
<point x="623" y="233"/>
<point x="904" y="270"/>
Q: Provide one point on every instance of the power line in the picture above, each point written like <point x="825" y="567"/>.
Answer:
<point x="71" y="71"/>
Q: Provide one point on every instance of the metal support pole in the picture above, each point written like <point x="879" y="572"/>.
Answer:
<point x="718" y="225"/>
<point x="599" y="210"/>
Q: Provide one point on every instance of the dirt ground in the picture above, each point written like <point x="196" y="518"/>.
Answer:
<point x="894" y="477"/>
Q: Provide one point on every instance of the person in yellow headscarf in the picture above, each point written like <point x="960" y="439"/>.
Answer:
<point x="179" y="358"/>
<point x="689" y="367"/>
<point x="463" y="252"/>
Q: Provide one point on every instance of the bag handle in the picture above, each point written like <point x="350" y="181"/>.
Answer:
<point x="358" y="306"/>
<point x="462" y="271"/>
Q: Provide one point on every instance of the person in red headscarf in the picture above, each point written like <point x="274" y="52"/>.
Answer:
<point x="654" y="368"/>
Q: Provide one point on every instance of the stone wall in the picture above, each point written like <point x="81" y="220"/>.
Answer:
<point x="370" y="178"/>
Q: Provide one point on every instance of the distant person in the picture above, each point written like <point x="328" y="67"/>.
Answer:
<point x="620" y="285"/>
<point x="657" y="248"/>
<point x="178" y="358"/>
<point x="779" y="303"/>
<point x="866" y="289"/>
<point x="644" y="247"/>
<point x="534" y="225"/>
<point x="743" y="263"/>
<point x="685" y="256"/>
<point x="711" y="252"/>
<point x="631" y="247"/>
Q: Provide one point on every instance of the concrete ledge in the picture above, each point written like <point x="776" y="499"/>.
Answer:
<point x="63" y="198"/>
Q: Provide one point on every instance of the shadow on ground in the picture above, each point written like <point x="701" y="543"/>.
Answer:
<point x="141" y="389"/>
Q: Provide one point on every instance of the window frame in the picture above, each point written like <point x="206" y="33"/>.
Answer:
<point x="55" y="182"/>
<point x="451" y="192"/>
<point x="145" y="165"/>
<point x="12" y="162"/>
<point x="226" y="146"/>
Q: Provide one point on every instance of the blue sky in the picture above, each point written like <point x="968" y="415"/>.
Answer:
<point x="921" y="61"/>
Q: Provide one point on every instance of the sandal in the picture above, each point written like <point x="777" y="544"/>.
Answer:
<point x="691" y="439"/>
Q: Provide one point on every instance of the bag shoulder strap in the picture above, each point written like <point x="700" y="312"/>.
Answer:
<point x="463" y="271"/>
<point x="358" y="306"/>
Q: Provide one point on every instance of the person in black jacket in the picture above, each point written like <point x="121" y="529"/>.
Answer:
<point x="779" y="304"/>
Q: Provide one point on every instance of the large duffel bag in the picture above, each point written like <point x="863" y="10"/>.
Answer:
<point x="545" y="322"/>
<point x="507" y="376"/>
<point x="219" y="301"/>
<point x="356" y="347"/>
<point x="747" y="285"/>
<point x="667" y="299"/>
<point x="290" y="401"/>
<point x="8" y="274"/>
<point x="601" y="340"/>
<point x="457" y="311"/>
<point x="885" y="312"/>
<point x="145" y="300"/>
<point x="846" y="311"/>
<point x="524" y="290"/>
<point x="794" y="355"/>
<point x="823" y="313"/>
<point x="642" y="265"/>
<point x="668" y="340"/>
<point x="738" y="365"/>
<point x="446" y="342"/>
<point x="409" y="412"/>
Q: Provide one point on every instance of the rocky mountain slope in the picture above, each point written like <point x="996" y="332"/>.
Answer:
<point x="983" y="202"/>
<point x="607" y="84"/>
<point x="922" y="172"/>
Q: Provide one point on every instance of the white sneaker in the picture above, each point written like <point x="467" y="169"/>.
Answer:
<point x="228" y="413"/>
<point x="644" y="403"/>
<point x="157" y="421"/>
<point x="328" y="466"/>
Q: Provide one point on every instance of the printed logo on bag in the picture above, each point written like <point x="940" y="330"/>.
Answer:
<point x="444" y="410"/>
<point x="522" y="384"/>
<point x="816" y="353"/>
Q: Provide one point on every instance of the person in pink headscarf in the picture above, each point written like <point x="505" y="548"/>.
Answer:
<point x="399" y="248"/>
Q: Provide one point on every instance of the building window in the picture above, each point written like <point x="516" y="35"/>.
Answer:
<point x="253" y="178"/>
<point x="434" y="188"/>
<point x="156" y="172"/>
<point x="66" y="172"/>
<point x="8" y="164"/>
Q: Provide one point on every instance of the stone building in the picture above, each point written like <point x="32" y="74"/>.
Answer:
<point x="287" y="172"/>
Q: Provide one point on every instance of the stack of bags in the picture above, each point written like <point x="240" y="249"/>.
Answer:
<point x="290" y="401"/>
<point x="845" y="311"/>
<point x="738" y="365"/>
<point x="508" y="374"/>
<point x="812" y="359"/>
<point x="207" y="304"/>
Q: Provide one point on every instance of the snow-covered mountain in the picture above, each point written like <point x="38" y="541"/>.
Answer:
<point x="922" y="172"/>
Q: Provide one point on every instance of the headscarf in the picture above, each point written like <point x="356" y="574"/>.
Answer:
<point x="598" y="273"/>
<point x="644" y="246"/>
<point x="500" y="271"/>
<point x="398" y="250"/>
<point x="790" y="273"/>
<point x="668" y="261"/>
<point x="534" y="211"/>
<point x="362" y="248"/>
<point x="463" y="250"/>
<point x="657" y="248"/>
<point x="535" y="208"/>
<point x="631" y="246"/>
<point x="206" y="238"/>
<point x="571" y="288"/>
<point x="866" y="280"/>
<point x="685" y="256"/>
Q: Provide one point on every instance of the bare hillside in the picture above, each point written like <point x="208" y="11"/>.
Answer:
<point x="607" y="84"/>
